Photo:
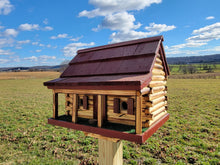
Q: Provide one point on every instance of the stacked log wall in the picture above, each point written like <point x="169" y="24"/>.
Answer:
<point x="154" y="99"/>
<point x="82" y="111"/>
<point x="123" y="116"/>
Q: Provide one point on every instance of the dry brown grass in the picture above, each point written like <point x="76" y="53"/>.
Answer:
<point x="27" y="75"/>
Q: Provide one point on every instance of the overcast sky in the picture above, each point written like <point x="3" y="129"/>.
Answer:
<point x="47" y="32"/>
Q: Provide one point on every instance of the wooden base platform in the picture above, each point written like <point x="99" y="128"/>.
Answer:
<point x="110" y="130"/>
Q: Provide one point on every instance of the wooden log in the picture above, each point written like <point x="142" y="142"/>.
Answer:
<point x="55" y="105"/>
<point x="158" y="66"/>
<point x="158" y="72"/>
<point x="149" y="110"/>
<point x="85" y="114"/>
<point x="154" y="114"/>
<point x="158" y="111"/>
<point x="153" y="102"/>
<point x="125" y="122"/>
<point x="157" y="83"/>
<point x="138" y="123"/>
<point x="158" y="55"/>
<point x="101" y="92"/>
<point x="119" y="121"/>
<point x="158" y="61"/>
<point x="154" y="96"/>
<point x="110" y="153"/>
<point x="145" y="90"/>
<point x="121" y="116"/>
<point x="69" y="99"/>
<point x="101" y="109"/>
<point x="75" y="108"/>
<point x="157" y="89"/>
<point x="158" y="78"/>
<point x="150" y="122"/>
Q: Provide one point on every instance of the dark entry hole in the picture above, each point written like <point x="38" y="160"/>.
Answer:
<point x="68" y="103"/>
<point x="80" y="102"/>
<point x="124" y="105"/>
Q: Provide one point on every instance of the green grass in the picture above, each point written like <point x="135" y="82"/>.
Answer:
<point x="200" y="68"/>
<point x="191" y="135"/>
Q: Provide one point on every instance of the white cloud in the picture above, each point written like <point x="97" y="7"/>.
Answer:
<point x="35" y="43"/>
<point x="6" y="42"/>
<point x="120" y="21"/>
<point x="3" y="61"/>
<point x="49" y="46"/>
<point x="45" y="58"/>
<point x="5" y="7"/>
<point x="28" y="27"/>
<point x="5" y="52"/>
<point x="200" y="37"/>
<point x="45" y="21"/>
<point x="10" y="32"/>
<point x="153" y="29"/>
<point x="32" y="58"/>
<point x="206" y="33"/>
<point x="39" y="50"/>
<point x="71" y="49"/>
<point x="2" y="27"/>
<point x="24" y="42"/>
<point x="42" y="58"/>
<point x="48" y="28"/>
<point x="125" y="36"/>
<point x="188" y="44"/>
<point x="76" y="39"/>
<point x="210" y="17"/>
<point x="64" y="35"/>
<point x="106" y="7"/>
<point x="117" y="18"/>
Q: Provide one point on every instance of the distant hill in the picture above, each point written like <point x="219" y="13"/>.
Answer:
<point x="208" y="59"/>
<point x="33" y="68"/>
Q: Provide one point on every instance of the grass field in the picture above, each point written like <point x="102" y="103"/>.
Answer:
<point x="191" y="136"/>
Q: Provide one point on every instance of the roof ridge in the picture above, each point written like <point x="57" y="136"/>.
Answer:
<point x="137" y="41"/>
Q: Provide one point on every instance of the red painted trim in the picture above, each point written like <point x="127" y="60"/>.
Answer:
<point x="98" y="87"/>
<point x="96" y="130"/>
<point x="85" y="102"/>
<point x="116" y="105"/>
<point x="112" y="133"/>
<point x="154" y="128"/>
<point x="130" y="106"/>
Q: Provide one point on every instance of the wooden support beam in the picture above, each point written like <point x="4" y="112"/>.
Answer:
<point x="110" y="153"/>
<point x="138" y="114"/>
<point x="55" y="105"/>
<point x="101" y="109"/>
<point x="101" y="92"/>
<point x="75" y="108"/>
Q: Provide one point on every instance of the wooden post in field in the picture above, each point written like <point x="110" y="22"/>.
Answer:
<point x="110" y="152"/>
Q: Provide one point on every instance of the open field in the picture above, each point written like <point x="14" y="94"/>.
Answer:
<point x="192" y="134"/>
<point x="27" y="75"/>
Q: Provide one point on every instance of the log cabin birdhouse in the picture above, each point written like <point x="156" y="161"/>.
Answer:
<point x="117" y="90"/>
